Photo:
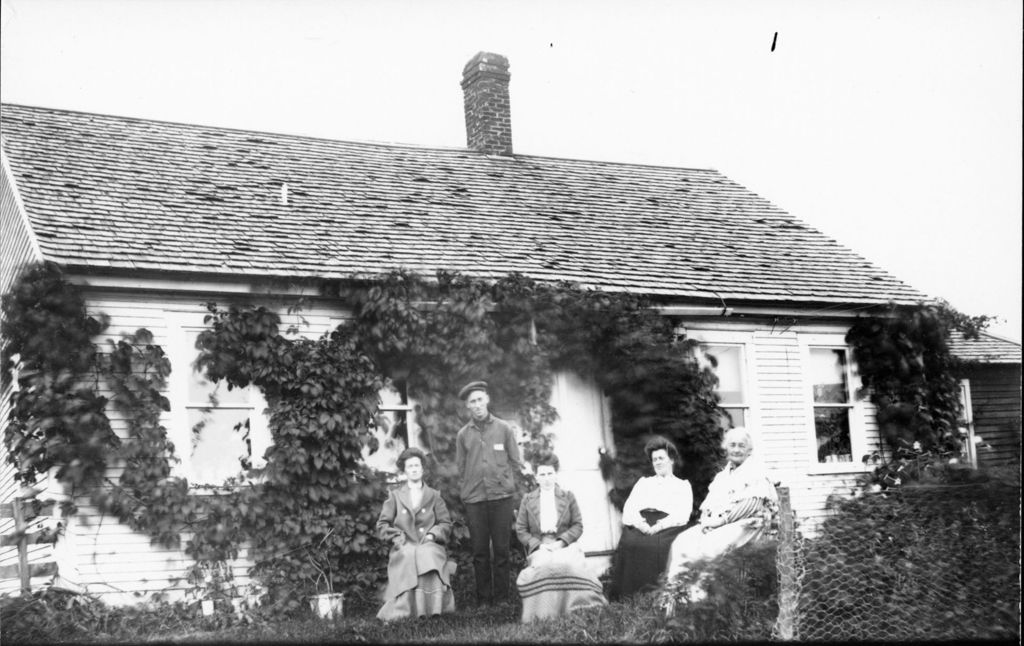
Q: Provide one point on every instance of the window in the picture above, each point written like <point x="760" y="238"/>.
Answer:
<point x="217" y="433"/>
<point x="833" y="403"/>
<point x="730" y="368"/>
<point x="968" y="440"/>
<point x="395" y="428"/>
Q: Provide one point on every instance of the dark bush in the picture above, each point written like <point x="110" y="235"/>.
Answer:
<point x="741" y="602"/>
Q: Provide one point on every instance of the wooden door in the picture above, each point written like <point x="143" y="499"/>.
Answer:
<point x="583" y="427"/>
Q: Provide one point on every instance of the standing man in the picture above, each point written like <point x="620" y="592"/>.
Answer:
<point x="487" y="457"/>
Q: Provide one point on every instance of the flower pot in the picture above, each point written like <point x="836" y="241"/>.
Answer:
<point x="327" y="605"/>
<point x="207" y="605"/>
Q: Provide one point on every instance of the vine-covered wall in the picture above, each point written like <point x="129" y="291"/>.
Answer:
<point x="306" y="518"/>
<point x="322" y="393"/>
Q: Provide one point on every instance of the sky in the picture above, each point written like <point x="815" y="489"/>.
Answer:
<point x="894" y="127"/>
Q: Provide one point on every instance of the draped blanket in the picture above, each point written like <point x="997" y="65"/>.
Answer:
<point x="556" y="583"/>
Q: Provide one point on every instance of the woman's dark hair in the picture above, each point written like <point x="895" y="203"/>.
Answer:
<point x="411" y="452"/>
<point x="661" y="443"/>
<point x="546" y="460"/>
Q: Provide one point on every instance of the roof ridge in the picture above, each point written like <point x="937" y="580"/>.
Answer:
<point x="232" y="129"/>
<point x="367" y="142"/>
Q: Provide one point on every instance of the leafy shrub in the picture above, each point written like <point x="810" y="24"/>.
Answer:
<point x="739" y="593"/>
<point x="52" y="615"/>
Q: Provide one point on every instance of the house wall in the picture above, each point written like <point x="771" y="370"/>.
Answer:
<point x="104" y="556"/>
<point x="781" y="409"/>
<point x="17" y="249"/>
<point x="996" y="405"/>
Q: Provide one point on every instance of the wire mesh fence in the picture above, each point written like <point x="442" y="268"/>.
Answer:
<point x="917" y="563"/>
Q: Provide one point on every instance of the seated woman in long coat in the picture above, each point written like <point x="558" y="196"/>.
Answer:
<point x="416" y="521"/>
<point x="555" y="580"/>
<point x="738" y="509"/>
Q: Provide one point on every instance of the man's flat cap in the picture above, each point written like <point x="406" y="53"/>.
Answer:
<point x="472" y="387"/>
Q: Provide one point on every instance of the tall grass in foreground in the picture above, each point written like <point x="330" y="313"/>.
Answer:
<point x="69" y="620"/>
<point x="740" y="606"/>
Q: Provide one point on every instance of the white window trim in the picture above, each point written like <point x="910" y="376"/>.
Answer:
<point x="747" y="368"/>
<point x="858" y="412"/>
<point x="966" y="426"/>
<point x="182" y="355"/>
<point x="412" y="422"/>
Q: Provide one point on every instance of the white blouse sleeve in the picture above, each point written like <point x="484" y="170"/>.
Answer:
<point x="680" y="506"/>
<point x="637" y="500"/>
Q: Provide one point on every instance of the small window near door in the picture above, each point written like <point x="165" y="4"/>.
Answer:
<point x="833" y="402"/>
<point x="394" y="428"/>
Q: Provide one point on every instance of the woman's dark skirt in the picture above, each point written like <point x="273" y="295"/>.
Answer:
<point x="640" y="559"/>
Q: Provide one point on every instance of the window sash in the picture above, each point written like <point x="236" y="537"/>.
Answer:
<point x="394" y="411"/>
<point x="219" y="451"/>
<point x="834" y="424"/>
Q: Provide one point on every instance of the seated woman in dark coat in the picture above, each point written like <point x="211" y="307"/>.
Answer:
<point x="416" y="521"/>
<point x="658" y="508"/>
<point x="555" y="580"/>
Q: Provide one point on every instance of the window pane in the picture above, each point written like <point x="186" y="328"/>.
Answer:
<point x="832" y="429"/>
<point x="199" y="389"/>
<point x="390" y="438"/>
<point x="828" y="375"/>
<point x="729" y="372"/>
<point x="732" y="418"/>
<point x="216" y="446"/>
<point x="392" y="394"/>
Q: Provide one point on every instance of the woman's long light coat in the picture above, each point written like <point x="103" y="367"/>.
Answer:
<point x="419" y="554"/>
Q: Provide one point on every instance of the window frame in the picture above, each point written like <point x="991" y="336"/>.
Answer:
<point x="856" y="405"/>
<point x="745" y="342"/>
<point x="182" y="355"/>
<point x="409" y="408"/>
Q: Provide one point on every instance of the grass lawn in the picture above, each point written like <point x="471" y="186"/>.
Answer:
<point x="633" y="621"/>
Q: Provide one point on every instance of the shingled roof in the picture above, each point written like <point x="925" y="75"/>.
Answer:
<point x="987" y="348"/>
<point x="130" y="194"/>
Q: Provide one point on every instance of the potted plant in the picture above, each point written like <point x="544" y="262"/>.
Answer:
<point x="326" y="603"/>
<point x="211" y="582"/>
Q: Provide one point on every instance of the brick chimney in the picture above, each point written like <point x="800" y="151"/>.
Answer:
<point x="488" y="112"/>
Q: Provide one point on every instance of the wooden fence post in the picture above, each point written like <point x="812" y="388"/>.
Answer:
<point x="785" y="625"/>
<point x="19" y="531"/>
<point x="22" y="539"/>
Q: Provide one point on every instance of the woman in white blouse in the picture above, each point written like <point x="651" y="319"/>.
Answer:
<point x="658" y="508"/>
<point x="556" y="579"/>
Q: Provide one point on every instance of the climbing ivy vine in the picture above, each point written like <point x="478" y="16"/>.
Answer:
<point x="315" y="503"/>
<point x="57" y="419"/>
<point x="905" y="360"/>
<point x="906" y="364"/>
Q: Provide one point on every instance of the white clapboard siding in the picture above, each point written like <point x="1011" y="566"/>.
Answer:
<point x="17" y="246"/>
<point x="781" y="415"/>
<point x="118" y="563"/>
<point x="17" y="250"/>
<point x="111" y="559"/>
